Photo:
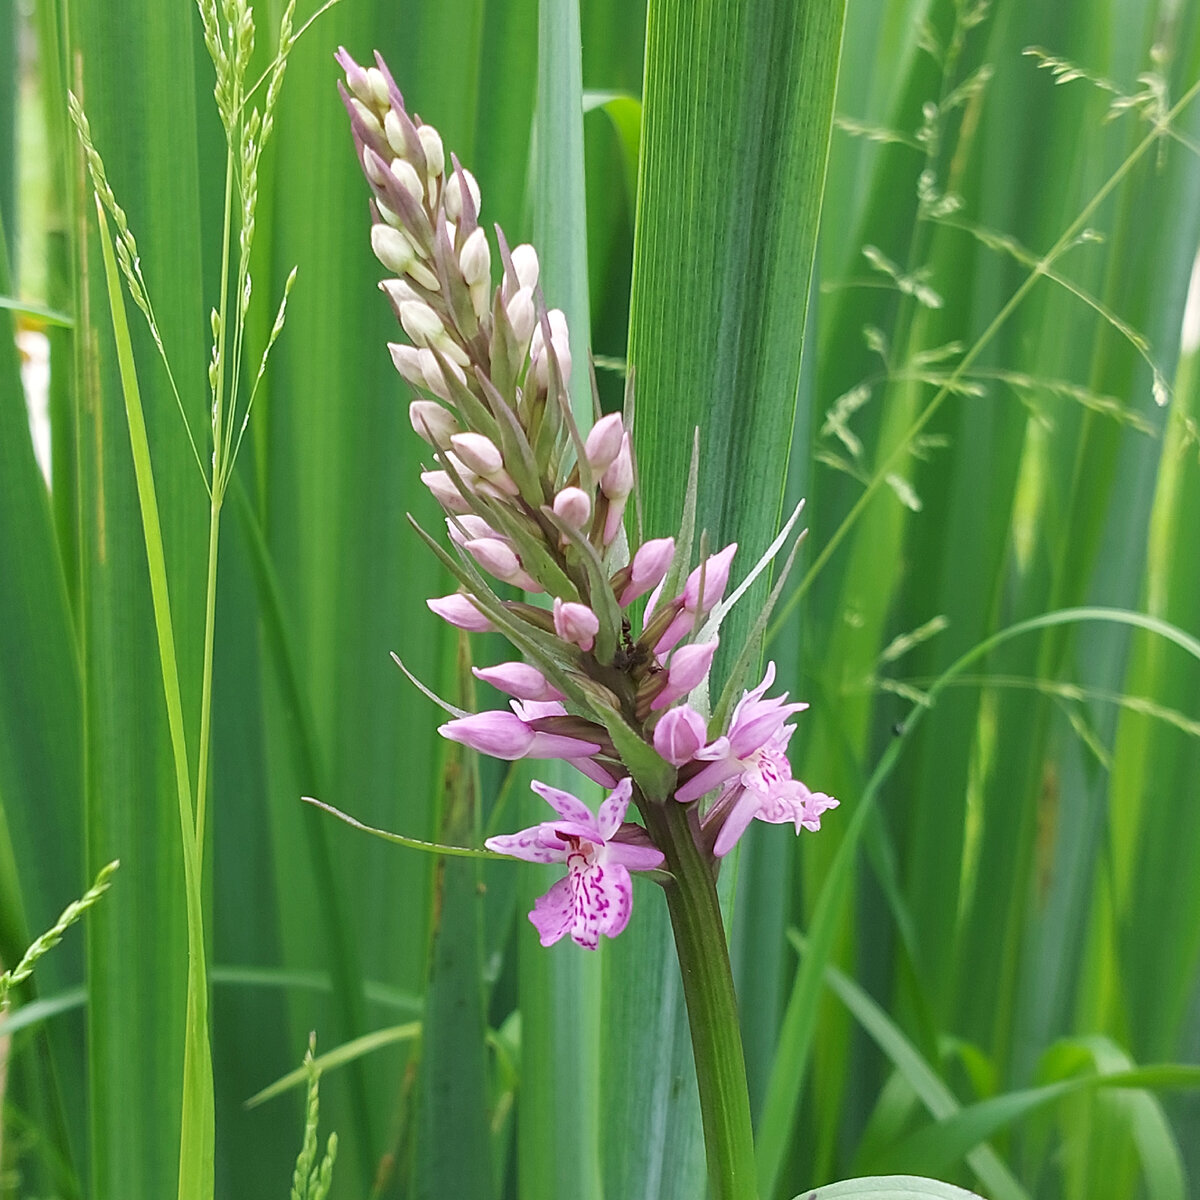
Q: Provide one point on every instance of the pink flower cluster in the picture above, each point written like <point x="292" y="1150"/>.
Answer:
<point x="536" y="504"/>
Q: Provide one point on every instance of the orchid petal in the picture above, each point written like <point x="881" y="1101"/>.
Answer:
<point x="612" y="811"/>
<point x="569" y="807"/>
<point x="552" y="913"/>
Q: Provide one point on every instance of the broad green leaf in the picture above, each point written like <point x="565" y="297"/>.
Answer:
<point x="888" y="1187"/>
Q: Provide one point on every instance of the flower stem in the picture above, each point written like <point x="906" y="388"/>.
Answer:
<point x="711" y="1003"/>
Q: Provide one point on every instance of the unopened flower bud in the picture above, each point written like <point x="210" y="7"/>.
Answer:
<point x="617" y="481"/>
<point x="475" y="258"/>
<point x="421" y="323"/>
<point x="392" y="248"/>
<point x="434" y="376"/>
<point x="689" y="668"/>
<point x="453" y="195"/>
<point x="394" y="132"/>
<point x="603" y="442"/>
<point x="471" y="525"/>
<point x="432" y="422"/>
<point x="406" y="176"/>
<point x="649" y="567"/>
<point x="716" y="577"/>
<point x="445" y="491"/>
<point x="575" y="623"/>
<point x="500" y="734"/>
<point x="559" y="341"/>
<point x="479" y="453"/>
<point x="520" y="680"/>
<point x="680" y="734"/>
<point x="461" y="611"/>
<point x="573" y="506"/>
<point x="408" y="363"/>
<point x="398" y="291"/>
<point x="367" y="117"/>
<point x="495" y="556"/>
<point x="522" y="316"/>
<point x="374" y="168"/>
<point x="431" y="143"/>
<point x="525" y="264"/>
<point x="377" y="82"/>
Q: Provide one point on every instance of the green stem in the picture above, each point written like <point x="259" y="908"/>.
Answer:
<point x="210" y="613"/>
<point x="711" y="1003"/>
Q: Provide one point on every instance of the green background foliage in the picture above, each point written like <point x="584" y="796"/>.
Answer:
<point x="1005" y="909"/>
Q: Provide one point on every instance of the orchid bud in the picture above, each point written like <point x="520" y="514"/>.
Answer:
<point x="573" y="506"/>
<point x="380" y="93"/>
<point x="648" y="569"/>
<point x="680" y="734"/>
<point x="475" y="258"/>
<point x="500" y="734"/>
<point x="432" y="422"/>
<point x="461" y="611"/>
<point x="603" y="442"/>
<point x="522" y="316"/>
<point x="394" y="132"/>
<point x="471" y="525"/>
<point x="559" y="341"/>
<point x="445" y="491"/>
<point x="520" y="680"/>
<point x="399" y="291"/>
<point x="406" y="176"/>
<point x="453" y="194"/>
<point x="392" y="248"/>
<point x="689" y="668"/>
<point x="525" y="264"/>
<point x="495" y="556"/>
<point x="716" y="576"/>
<point x="421" y="323"/>
<point x="478" y="452"/>
<point x="356" y="76"/>
<point x="575" y="623"/>
<point x="431" y="143"/>
<point x="617" y="482"/>
<point x="367" y="117"/>
<point x="407" y="360"/>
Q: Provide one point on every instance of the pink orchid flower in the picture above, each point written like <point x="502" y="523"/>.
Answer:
<point x="596" y="894"/>
<point x="751" y="762"/>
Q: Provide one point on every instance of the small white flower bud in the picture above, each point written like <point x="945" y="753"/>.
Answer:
<point x="431" y="143"/>
<point x="408" y="362"/>
<point x="406" y="176"/>
<point x="390" y="215"/>
<point x="379" y="87"/>
<point x="366" y="116"/>
<point x="374" y="167"/>
<point x="394" y="132"/>
<point x="445" y="492"/>
<point x="479" y="453"/>
<point x="522" y="316"/>
<point x="525" y="264"/>
<point x="432" y="422"/>
<point x="398" y="290"/>
<point x="420" y="322"/>
<point x="392" y="248"/>
<point x="574" y="506"/>
<point x="453" y="195"/>
<point x="559" y="340"/>
<point x="435" y="378"/>
<point x="475" y="258"/>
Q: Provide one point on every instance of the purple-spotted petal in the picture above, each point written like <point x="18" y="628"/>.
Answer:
<point x="612" y="811"/>
<point x="553" y="913"/>
<point x="569" y="807"/>
<point x="602" y="894"/>
<point x="528" y="844"/>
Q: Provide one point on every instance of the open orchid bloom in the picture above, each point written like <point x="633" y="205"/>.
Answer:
<point x="596" y="894"/>
<point x="751" y="762"/>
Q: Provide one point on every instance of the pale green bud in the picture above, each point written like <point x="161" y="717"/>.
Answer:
<point x="406" y="176"/>
<point x="379" y="87"/>
<point x="421" y="323"/>
<point x="475" y="258"/>
<point x="394" y="132"/>
<point x="525" y="264"/>
<point x="453" y="197"/>
<point x="522" y="316"/>
<point x="392" y="248"/>
<point x="431" y="143"/>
